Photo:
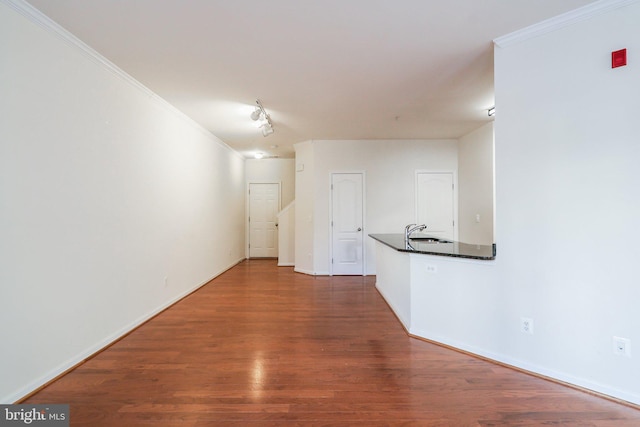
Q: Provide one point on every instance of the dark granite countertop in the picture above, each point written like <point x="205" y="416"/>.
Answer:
<point x="450" y="248"/>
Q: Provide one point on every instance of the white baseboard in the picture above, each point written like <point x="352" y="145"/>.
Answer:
<point x="534" y="369"/>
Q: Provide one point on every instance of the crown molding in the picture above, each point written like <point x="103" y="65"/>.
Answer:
<point x="561" y="21"/>
<point x="43" y="21"/>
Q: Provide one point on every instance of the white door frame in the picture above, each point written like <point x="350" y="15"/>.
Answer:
<point x="364" y="217"/>
<point x="247" y="204"/>
<point x="453" y="172"/>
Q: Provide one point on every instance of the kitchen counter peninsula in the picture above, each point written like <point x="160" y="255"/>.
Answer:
<point x="430" y="282"/>
<point x="423" y="245"/>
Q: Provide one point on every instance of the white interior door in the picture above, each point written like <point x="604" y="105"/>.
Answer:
<point x="347" y="229"/>
<point x="264" y="204"/>
<point x="435" y="203"/>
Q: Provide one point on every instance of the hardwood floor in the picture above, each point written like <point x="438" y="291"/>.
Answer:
<point x="264" y="346"/>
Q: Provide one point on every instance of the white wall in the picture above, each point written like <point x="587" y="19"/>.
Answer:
<point x="305" y="202"/>
<point x="389" y="167"/>
<point x="568" y="201"/>
<point x="286" y="236"/>
<point x="113" y="204"/>
<point x="475" y="186"/>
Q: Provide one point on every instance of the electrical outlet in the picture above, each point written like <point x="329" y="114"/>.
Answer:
<point x="622" y="346"/>
<point x="431" y="268"/>
<point x="526" y="325"/>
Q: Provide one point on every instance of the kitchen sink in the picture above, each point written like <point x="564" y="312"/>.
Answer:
<point x="429" y="240"/>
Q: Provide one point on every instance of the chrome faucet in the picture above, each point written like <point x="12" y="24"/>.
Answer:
<point x="411" y="228"/>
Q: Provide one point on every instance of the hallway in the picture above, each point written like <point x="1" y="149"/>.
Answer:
<point x="263" y="346"/>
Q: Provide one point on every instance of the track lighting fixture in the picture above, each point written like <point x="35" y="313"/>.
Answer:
<point x="264" y="120"/>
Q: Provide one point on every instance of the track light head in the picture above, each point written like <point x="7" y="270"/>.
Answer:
<point x="267" y="130"/>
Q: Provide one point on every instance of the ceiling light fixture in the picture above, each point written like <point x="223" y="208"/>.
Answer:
<point x="258" y="155"/>
<point x="264" y="120"/>
<point x="492" y="111"/>
<point x="255" y="115"/>
<point x="267" y="130"/>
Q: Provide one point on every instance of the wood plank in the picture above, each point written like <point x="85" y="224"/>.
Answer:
<point x="263" y="346"/>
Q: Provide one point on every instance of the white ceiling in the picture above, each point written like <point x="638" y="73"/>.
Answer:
<point x="330" y="69"/>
